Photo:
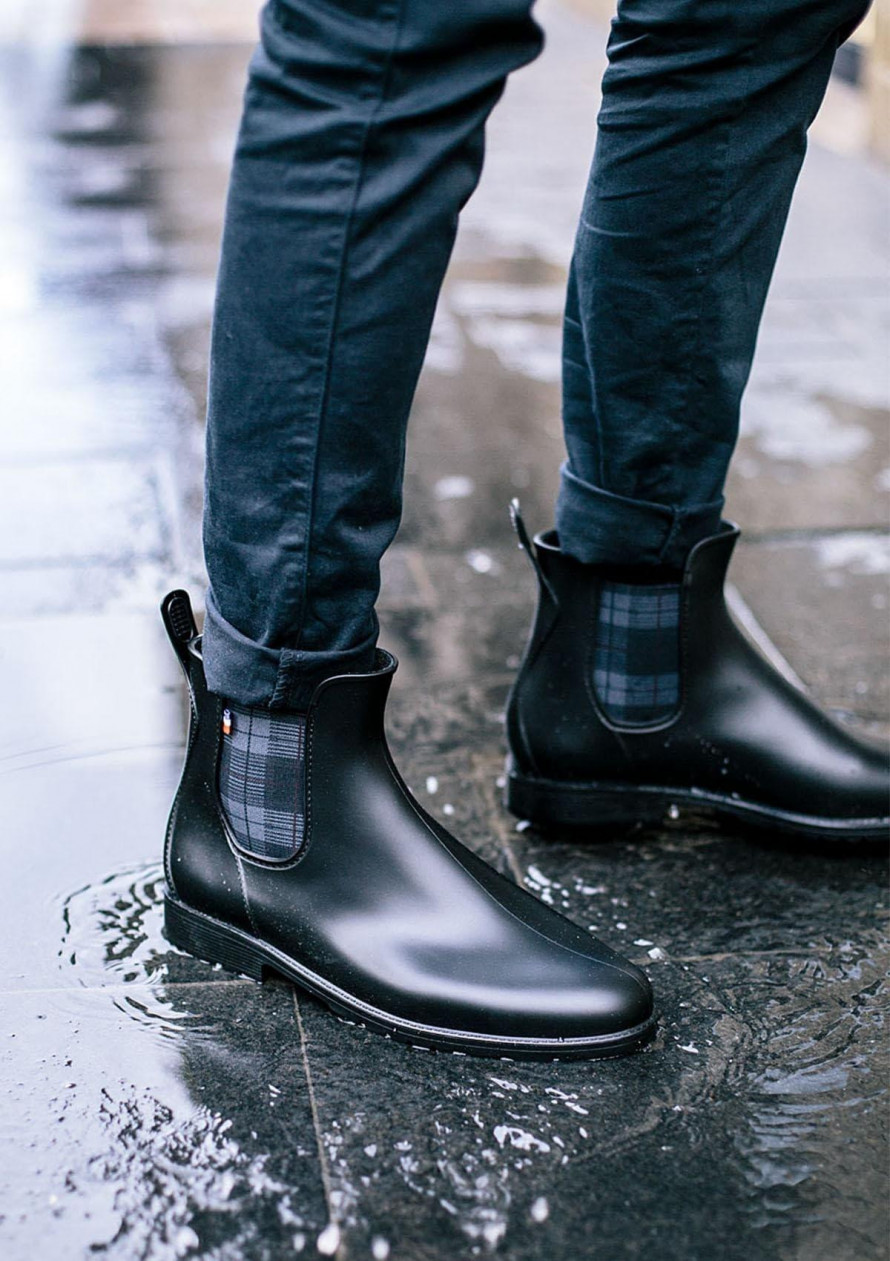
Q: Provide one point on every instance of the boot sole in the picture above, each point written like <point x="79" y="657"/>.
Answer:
<point x="217" y="942"/>
<point x="549" y="803"/>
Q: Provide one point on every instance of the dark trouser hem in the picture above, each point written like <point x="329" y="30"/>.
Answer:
<point x="600" y="528"/>
<point x="362" y="137"/>
<point x="283" y="678"/>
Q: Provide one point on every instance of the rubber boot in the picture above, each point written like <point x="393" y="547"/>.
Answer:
<point x="379" y="912"/>
<point x="743" y="742"/>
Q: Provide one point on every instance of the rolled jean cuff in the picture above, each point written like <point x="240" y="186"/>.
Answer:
<point x="598" y="527"/>
<point x="277" y="678"/>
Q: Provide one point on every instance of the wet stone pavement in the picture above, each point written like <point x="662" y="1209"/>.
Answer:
<point x="155" y="1107"/>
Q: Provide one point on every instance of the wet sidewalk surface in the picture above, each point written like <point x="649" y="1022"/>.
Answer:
<point x="155" y="1107"/>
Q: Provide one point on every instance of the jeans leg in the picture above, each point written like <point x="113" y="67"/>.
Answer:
<point x="702" y="132"/>
<point x="361" y="139"/>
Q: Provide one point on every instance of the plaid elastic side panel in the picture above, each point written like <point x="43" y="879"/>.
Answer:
<point x="262" y="781"/>
<point x="637" y="660"/>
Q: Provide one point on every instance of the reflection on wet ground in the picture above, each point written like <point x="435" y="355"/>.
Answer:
<point x="155" y="1107"/>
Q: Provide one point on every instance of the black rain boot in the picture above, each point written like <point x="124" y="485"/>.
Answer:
<point x="379" y="912"/>
<point x="741" y="741"/>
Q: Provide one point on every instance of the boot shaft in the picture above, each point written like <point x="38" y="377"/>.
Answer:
<point x="556" y="723"/>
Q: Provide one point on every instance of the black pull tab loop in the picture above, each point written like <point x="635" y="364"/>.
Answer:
<point x="528" y="547"/>
<point x="179" y="623"/>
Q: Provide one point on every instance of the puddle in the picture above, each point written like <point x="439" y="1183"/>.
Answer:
<point x="819" y="1080"/>
<point x="486" y="1145"/>
<point x="174" y="1119"/>
<point x="176" y="1185"/>
<point x="166" y="1117"/>
<point x="498" y="1150"/>
<point x="112" y="939"/>
<point x="112" y="929"/>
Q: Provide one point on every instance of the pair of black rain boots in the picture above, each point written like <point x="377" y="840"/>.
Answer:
<point x="380" y="913"/>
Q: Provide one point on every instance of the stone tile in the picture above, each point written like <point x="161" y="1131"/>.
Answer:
<point x="405" y="580"/>
<point x="151" y="21"/>
<point x="460" y="500"/>
<point x="686" y="893"/>
<point x="823" y="601"/>
<point x="122" y="586"/>
<point x="814" y="422"/>
<point x="473" y="1152"/>
<point x="157" y="1121"/>
<point x="445" y="579"/>
<point x="815" y="442"/>
<point x="88" y="771"/>
<point x="837" y="226"/>
<point x="84" y="837"/>
<point x="450" y="750"/>
<point x="729" y="1118"/>
<point x="539" y="147"/>
<point x="102" y="422"/>
<point x="449" y="647"/>
<point x="83" y="386"/>
<point x="86" y="684"/>
<point x="478" y="628"/>
<point x="57" y="502"/>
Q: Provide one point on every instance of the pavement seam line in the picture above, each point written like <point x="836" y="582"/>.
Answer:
<point x="127" y="987"/>
<point x="418" y="571"/>
<point x="324" y="1166"/>
<point x="513" y="862"/>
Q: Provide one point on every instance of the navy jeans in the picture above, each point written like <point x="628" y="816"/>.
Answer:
<point x="361" y="139"/>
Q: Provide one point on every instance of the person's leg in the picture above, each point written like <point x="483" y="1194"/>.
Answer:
<point x="361" y="139"/>
<point x="702" y="132"/>
<point x="293" y="845"/>
<point x="637" y="690"/>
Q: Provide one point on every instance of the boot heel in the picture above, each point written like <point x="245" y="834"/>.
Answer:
<point x="549" y="804"/>
<point x="209" y="940"/>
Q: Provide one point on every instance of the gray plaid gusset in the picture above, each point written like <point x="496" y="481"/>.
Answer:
<point x="636" y="672"/>
<point x="262" y="779"/>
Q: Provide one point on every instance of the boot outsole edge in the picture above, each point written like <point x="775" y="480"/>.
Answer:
<point x="549" y="803"/>
<point x="217" y="942"/>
